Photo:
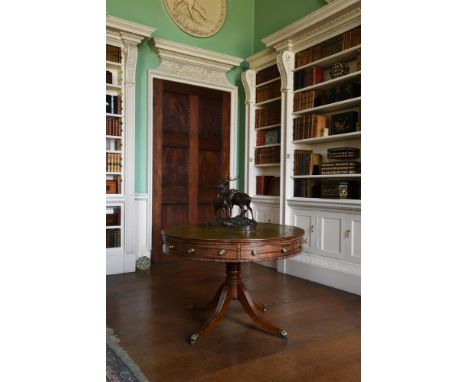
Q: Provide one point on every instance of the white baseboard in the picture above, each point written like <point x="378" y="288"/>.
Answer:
<point x="327" y="271"/>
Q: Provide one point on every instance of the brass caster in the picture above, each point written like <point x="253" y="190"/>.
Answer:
<point x="264" y="308"/>
<point x="193" y="338"/>
<point x="283" y="334"/>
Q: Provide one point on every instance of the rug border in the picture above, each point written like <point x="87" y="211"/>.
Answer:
<point x="113" y="341"/>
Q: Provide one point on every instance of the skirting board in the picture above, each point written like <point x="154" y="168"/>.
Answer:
<point x="302" y="267"/>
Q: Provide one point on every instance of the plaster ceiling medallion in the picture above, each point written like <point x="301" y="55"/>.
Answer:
<point x="201" y="18"/>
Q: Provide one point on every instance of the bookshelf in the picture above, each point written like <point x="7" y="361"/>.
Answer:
<point x="122" y="39"/>
<point x="319" y="61"/>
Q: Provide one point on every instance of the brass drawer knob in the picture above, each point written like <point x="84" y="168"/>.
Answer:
<point x="221" y="252"/>
<point x="171" y="246"/>
<point x="191" y="250"/>
<point x="284" y="250"/>
<point x="253" y="252"/>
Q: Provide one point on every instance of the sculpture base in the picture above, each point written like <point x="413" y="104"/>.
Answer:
<point x="238" y="222"/>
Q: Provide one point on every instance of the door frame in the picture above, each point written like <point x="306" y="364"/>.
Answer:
<point x="196" y="74"/>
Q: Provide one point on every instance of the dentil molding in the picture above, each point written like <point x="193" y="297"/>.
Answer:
<point x="345" y="205"/>
<point x="184" y="62"/>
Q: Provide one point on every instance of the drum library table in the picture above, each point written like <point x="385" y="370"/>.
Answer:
<point x="233" y="247"/>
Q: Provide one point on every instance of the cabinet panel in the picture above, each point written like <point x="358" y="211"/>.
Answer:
<point x="307" y="220"/>
<point x="273" y="215"/>
<point x="354" y="238"/>
<point x="260" y="214"/>
<point x="330" y="232"/>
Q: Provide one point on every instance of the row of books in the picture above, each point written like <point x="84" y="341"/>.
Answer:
<point x="113" y="219"/>
<point x="113" y="104"/>
<point x="108" y="77"/>
<point x="113" y="162"/>
<point x="306" y="100"/>
<point x="341" y="167"/>
<point x="267" y="155"/>
<point x="343" y="153"/>
<point x="268" y="137"/>
<point x="114" y="185"/>
<point x="267" y="185"/>
<point x="269" y="115"/>
<point x="306" y="162"/>
<point x="328" y="189"/>
<point x="269" y="91"/>
<point x="113" y="53"/>
<point x="328" y="47"/>
<point x="113" y="126"/>
<point x="267" y="74"/>
<point x="112" y="238"/>
<point x="309" y="126"/>
<point x="311" y="75"/>
<point x="313" y="98"/>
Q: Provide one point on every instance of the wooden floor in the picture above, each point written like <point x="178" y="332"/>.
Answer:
<point x="151" y="316"/>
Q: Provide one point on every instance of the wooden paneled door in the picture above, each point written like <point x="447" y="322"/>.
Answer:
<point x="190" y="154"/>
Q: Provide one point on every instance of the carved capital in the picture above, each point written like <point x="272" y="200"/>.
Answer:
<point x="130" y="53"/>
<point x="285" y="61"/>
<point x="248" y="80"/>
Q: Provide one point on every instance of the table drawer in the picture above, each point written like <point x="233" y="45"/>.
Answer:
<point x="172" y="247"/>
<point x="210" y="251"/>
<point x="262" y="251"/>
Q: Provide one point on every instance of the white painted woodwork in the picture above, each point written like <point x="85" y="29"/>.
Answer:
<point x="332" y="252"/>
<point x="330" y="231"/>
<point x="126" y="35"/>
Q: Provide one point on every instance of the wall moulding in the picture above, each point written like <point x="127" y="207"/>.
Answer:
<point x="184" y="62"/>
<point x="318" y="26"/>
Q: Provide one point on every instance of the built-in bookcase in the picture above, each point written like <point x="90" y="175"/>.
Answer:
<point x="122" y="39"/>
<point x="319" y="148"/>
<point x="115" y="135"/>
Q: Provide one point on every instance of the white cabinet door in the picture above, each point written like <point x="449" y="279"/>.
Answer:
<point x="331" y="234"/>
<point x="273" y="215"/>
<point x="353" y="236"/>
<point x="307" y="220"/>
<point x="260" y="213"/>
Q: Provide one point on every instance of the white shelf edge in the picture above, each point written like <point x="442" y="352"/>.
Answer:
<point x="330" y="58"/>
<point x="112" y="63"/>
<point x="113" y="137"/>
<point x="113" y="227"/>
<point x="267" y="165"/>
<point x="268" y="101"/>
<point x="272" y="145"/>
<point x="330" y="138"/>
<point x="114" y="173"/>
<point x="113" y="86"/>
<point x="268" y="82"/>
<point x="265" y="198"/>
<point x="114" y="115"/>
<point x="340" y="104"/>
<point x="329" y="82"/>
<point x="114" y="151"/>
<point x="267" y="127"/>
<point x="357" y="176"/>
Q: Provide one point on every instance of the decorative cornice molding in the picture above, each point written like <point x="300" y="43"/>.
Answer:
<point x="184" y="62"/>
<point x="345" y="205"/>
<point x="248" y="80"/>
<point x="329" y="263"/>
<point x="317" y="26"/>
<point x="262" y="59"/>
<point x="129" y="27"/>
<point x="285" y="61"/>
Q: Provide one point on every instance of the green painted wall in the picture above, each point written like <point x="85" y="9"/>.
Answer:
<point x="234" y="38"/>
<point x="272" y="15"/>
<point x="247" y="21"/>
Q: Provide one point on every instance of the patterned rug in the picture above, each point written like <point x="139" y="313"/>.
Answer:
<point x="119" y="366"/>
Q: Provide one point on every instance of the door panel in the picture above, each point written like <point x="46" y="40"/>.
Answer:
<point x="330" y="234"/>
<point x="355" y="238"/>
<point x="306" y="220"/>
<point x="190" y="154"/>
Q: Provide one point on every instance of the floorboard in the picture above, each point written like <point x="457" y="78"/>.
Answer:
<point x="150" y="313"/>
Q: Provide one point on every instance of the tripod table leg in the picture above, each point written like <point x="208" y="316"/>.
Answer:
<point x="249" y="306"/>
